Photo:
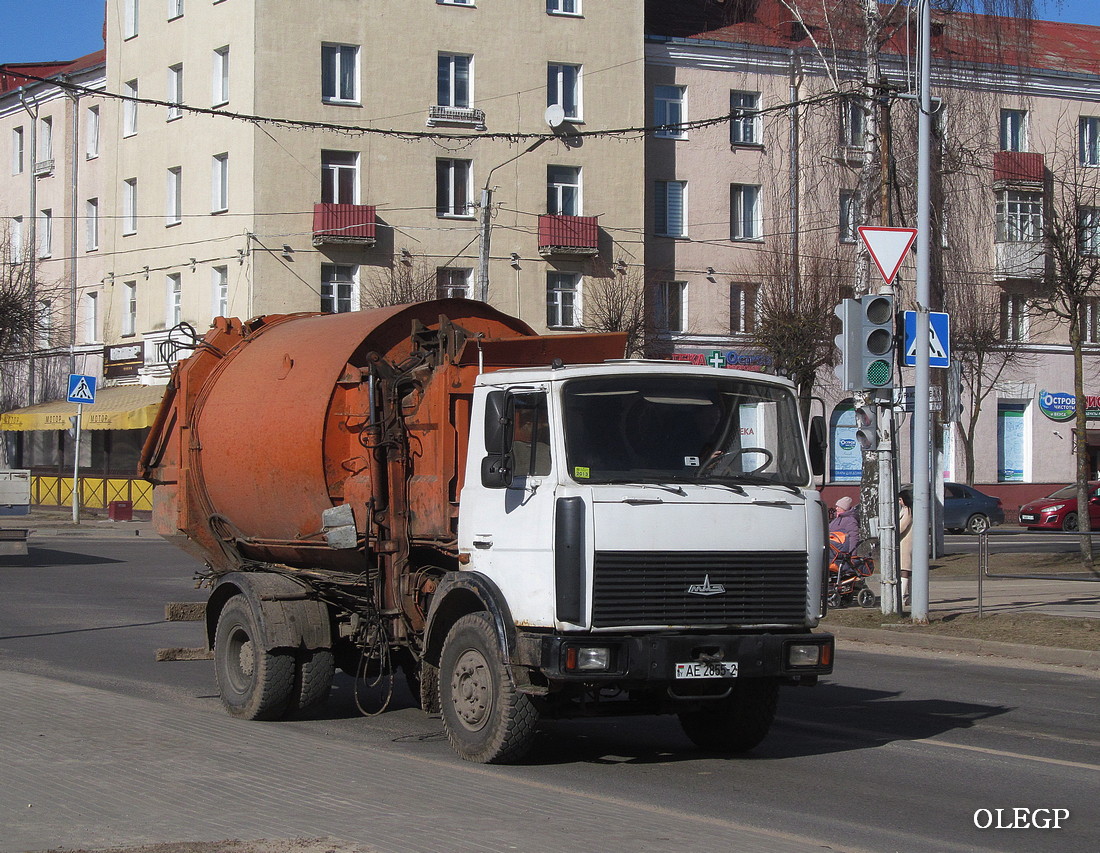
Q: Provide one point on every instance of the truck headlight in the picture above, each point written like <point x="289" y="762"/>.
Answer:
<point x="587" y="659"/>
<point x="809" y="655"/>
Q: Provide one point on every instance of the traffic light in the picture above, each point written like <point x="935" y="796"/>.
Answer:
<point x="866" y="342"/>
<point x="867" y="426"/>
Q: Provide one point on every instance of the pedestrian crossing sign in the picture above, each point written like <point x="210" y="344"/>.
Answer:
<point x="939" y="339"/>
<point x="81" y="388"/>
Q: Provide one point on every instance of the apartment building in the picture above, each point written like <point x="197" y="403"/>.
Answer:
<point x="731" y="202"/>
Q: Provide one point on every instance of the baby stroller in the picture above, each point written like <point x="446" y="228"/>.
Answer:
<point x="847" y="575"/>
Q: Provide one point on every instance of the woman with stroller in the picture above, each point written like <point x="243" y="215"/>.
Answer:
<point x="846" y="523"/>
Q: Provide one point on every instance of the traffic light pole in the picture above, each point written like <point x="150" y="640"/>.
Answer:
<point x="887" y="514"/>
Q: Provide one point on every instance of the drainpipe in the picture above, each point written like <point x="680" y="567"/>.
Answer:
<point x="32" y="239"/>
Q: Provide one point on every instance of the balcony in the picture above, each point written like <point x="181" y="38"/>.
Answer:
<point x="1018" y="167"/>
<point x="568" y="235"/>
<point x="347" y="224"/>
<point x="1020" y="260"/>
<point x="41" y="168"/>
<point x="456" y="117"/>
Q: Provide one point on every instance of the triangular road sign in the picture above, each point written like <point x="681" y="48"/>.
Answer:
<point x="887" y="247"/>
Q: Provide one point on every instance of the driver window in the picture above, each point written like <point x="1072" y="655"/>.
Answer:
<point x="531" y="436"/>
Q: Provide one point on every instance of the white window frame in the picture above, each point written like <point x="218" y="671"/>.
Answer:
<point x="129" y="18"/>
<point x="129" y="206"/>
<point x="129" y="108"/>
<point x="746" y="126"/>
<point x="173" y="210"/>
<point x="44" y="331"/>
<point x="338" y="86"/>
<point x="1089" y="230"/>
<point x="564" y="87"/>
<point x="45" y="233"/>
<point x="18" y="150"/>
<point x="454" y="181"/>
<point x="175" y="9"/>
<point x="219" y="183"/>
<point x="563" y="300"/>
<point x="743" y="307"/>
<point x="1015" y="317"/>
<point x="45" y="139"/>
<point x="670" y="307"/>
<point x="450" y="68"/>
<point x="563" y="190"/>
<point x="91" y="224"/>
<point x="1089" y="136"/>
<point x="1090" y="321"/>
<point x="219" y="92"/>
<point x="1019" y="216"/>
<point x="220" y="284"/>
<point x="848" y="216"/>
<point x="746" y="213"/>
<point x="563" y="7"/>
<point x="332" y="285"/>
<point x="334" y="173"/>
<point x="129" y="308"/>
<point x="91" y="132"/>
<point x="670" y="108"/>
<point x="173" y="301"/>
<point x="670" y="208"/>
<point x="15" y="240"/>
<point x="175" y="91"/>
<point x="455" y="2"/>
<point x="1013" y="130"/>
<point x="91" y="316"/>
<point x="453" y="282"/>
<point x="853" y="122"/>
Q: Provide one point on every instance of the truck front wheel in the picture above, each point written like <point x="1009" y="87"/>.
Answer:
<point x="254" y="684"/>
<point x="487" y="720"/>
<point x="737" y="723"/>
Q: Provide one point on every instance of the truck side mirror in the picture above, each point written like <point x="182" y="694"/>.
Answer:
<point x="496" y="467"/>
<point x="819" y="439"/>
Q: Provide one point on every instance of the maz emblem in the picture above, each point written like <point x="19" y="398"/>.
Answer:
<point x="706" y="588"/>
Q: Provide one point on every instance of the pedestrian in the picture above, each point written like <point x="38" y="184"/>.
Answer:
<point x="905" y="541"/>
<point x="844" y="521"/>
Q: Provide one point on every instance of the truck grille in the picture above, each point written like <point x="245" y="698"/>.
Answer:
<point x="651" y="588"/>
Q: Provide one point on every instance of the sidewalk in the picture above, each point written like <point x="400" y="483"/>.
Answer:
<point x="51" y="521"/>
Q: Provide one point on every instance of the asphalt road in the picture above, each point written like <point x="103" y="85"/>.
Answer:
<point x="104" y="747"/>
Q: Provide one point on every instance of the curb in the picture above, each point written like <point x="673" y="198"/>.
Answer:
<point x="917" y="640"/>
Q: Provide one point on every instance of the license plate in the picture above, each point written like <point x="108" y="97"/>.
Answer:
<point x="707" y="669"/>
<point x="1026" y="516"/>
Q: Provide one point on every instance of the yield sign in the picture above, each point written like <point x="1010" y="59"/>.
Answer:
<point x="888" y="247"/>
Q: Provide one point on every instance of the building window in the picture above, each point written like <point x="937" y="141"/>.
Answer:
<point x="853" y="122"/>
<point x="129" y="18"/>
<point x="91" y="133"/>
<point x="1089" y="131"/>
<point x="670" y="310"/>
<point x="563" y="299"/>
<point x="1011" y="442"/>
<point x="45" y="234"/>
<point x="129" y="308"/>
<point x="175" y="9"/>
<point x="45" y="139"/>
<point x="220" y="78"/>
<point x="1090" y="320"/>
<point x="17" y="151"/>
<point x="1013" y="130"/>
<point x="1014" y="317"/>
<point x="453" y="182"/>
<point x="452" y="282"/>
<point x="669" y="112"/>
<point x="670" y="201"/>
<point x="453" y="80"/>
<point x="563" y="7"/>
<point x="221" y="291"/>
<point x="173" y="213"/>
<point x="44" y="322"/>
<point x="338" y="291"/>
<point x="742" y="307"/>
<point x="219" y="183"/>
<point x="339" y="177"/>
<point x="563" y="87"/>
<point x="175" y="92"/>
<point x="340" y="73"/>
<point x="15" y="240"/>
<point x="745" y="219"/>
<point x="174" y="297"/>
<point x="1090" y="231"/>
<point x="129" y="107"/>
<point x="745" y="118"/>
<point x="849" y="215"/>
<point x="91" y="224"/>
<point x="129" y="206"/>
<point x="91" y="316"/>
<point x="563" y="190"/>
<point x="1019" y="216"/>
<point x="455" y="2"/>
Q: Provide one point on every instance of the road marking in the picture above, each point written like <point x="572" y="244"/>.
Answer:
<point x="1001" y="753"/>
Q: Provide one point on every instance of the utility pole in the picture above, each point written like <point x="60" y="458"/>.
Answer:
<point x="30" y="248"/>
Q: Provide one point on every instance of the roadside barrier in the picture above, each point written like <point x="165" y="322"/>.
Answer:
<point x="984" y="572"/>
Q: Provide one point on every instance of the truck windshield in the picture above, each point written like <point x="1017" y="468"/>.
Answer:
<point x="659" y="429"/>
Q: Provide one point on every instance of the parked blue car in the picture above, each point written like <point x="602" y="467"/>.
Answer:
<point x="965" y="508"/>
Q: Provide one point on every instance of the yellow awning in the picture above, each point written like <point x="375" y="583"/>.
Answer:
<point x="118" y="407"/>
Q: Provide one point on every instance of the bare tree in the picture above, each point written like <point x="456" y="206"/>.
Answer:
<point x="20" y="316"/>
<point x="411" y="278"/>
<point x="614" y="301"/>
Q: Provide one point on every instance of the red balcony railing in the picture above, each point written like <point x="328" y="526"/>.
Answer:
<point x="344" y="223"/>
<point x="568" y="235"/>
<point x="1018" y="167"/>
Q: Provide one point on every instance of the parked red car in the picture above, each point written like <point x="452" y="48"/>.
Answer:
<point x="1058" y="511"/>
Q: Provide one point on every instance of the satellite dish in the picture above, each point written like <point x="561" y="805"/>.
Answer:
<point x="555" y="115"/>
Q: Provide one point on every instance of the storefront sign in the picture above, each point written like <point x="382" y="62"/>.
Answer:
<point x="1059" y="406"/>
<point x="123" y="360"/>
<point x="726" y="359"/>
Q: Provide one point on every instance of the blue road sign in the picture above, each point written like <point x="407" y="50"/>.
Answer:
<point x="939" y="339"/>
<point x="81" y="388"/>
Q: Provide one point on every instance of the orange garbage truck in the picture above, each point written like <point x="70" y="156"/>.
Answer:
<point x="527" y="526"/>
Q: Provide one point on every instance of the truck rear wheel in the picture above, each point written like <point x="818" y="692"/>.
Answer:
<point x="735" y="724"/>
<point x="254" y="684"/>
<point x="314" y="670"/>
<point x="486" y="719"/>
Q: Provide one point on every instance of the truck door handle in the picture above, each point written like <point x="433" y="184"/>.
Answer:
<point x="483" y="542"/>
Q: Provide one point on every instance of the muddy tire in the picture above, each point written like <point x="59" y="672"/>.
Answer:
<point x="254" y="684"/>
<point x="736" y="724"/>
<point x="486" y="719"/>
<point x="313" y="674"/>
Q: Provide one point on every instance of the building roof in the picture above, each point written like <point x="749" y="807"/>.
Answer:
<point x="11" y="74"/>
<point x="956" y="36"/>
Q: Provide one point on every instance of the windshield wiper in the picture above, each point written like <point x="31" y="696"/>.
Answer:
<point x="756" y="480"/>
<point x="676" y="490"/>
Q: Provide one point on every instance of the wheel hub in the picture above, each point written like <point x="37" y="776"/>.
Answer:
<point x="471" y="689"/>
